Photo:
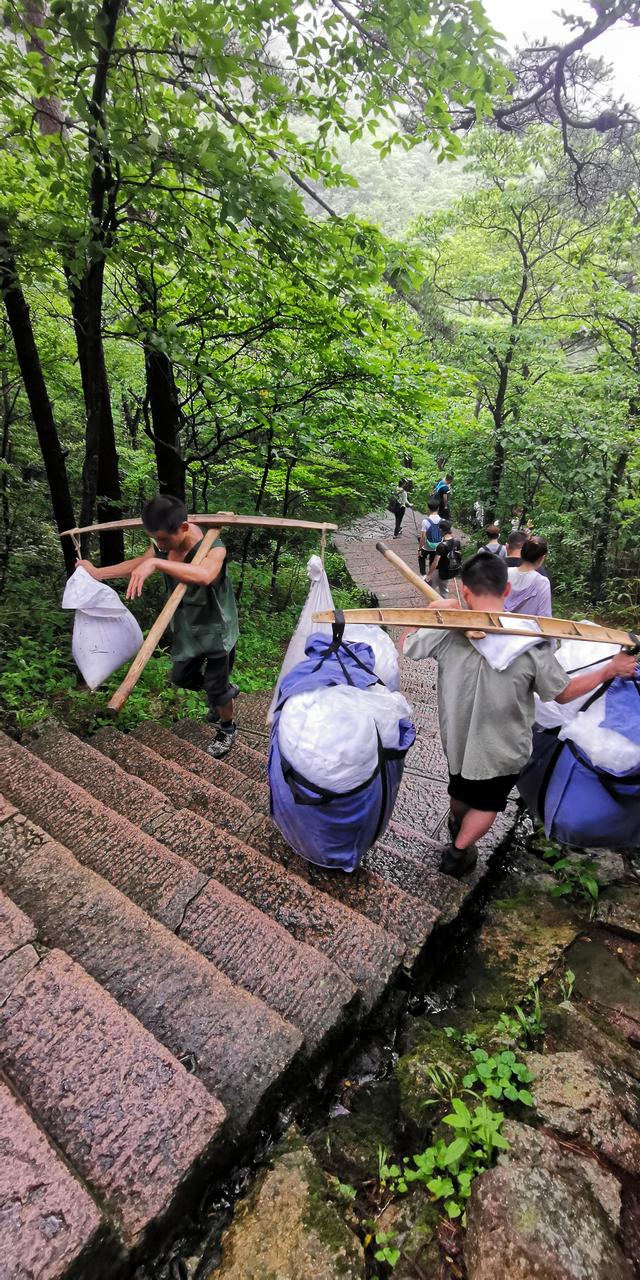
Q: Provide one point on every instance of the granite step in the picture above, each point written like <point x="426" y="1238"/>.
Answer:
<point x="50" y="1228"/>
<point x="362" y="949"/>
<point x="305" y="988"/>
<point x="367" y="893"/>
<point x="249" y="760"/>
<point x="235" y="1044"/>
<point x="222" y="773"/>
<point x="401" y="896"/>
<point x="312" y="917"/>
<point x="18" y="953"/>
<point x="126" y="1115"/>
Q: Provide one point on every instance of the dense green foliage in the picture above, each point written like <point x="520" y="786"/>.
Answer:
<point x="199" y="296"/>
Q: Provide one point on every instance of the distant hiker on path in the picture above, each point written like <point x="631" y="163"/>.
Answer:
<point x="205" y="626"/>
<point x="430" y="536"/>
<point x="442" y="492"/>
<point x="493" y="543"/>
<point x="401" y="502"/>
<point x="447" y="561"/>
<point x="515" y="542"/>
<point x="486" y="715"/>
<point x="530" y="592"/>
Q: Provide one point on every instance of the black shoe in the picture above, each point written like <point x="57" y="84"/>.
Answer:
<point x="456" y="862"/>
<point x="223" y="742"/>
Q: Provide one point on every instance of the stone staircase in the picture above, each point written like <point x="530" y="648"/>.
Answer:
<point x="170" y="971"/>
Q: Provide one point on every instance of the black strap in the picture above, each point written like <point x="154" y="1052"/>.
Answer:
<point x="295" y="781"/>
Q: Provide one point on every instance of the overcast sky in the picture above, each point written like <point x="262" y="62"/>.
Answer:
<point x="515" y="18"/>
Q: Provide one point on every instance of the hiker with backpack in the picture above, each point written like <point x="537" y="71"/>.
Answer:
<point x="398" y="505"/>
<point x="447" y="561"/>
<point x="493" y="543"/>
<point x="430" y="536"/>
<point x="441" y="492"/>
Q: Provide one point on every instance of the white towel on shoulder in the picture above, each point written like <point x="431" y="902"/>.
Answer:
<point x="501" y="651"/>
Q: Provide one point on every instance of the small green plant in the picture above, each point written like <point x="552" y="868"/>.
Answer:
<point x="444" y="1083"/>
<point x="447" y="1169"/>
<point x="500" y="1076"/>
<point x="468" y="1039"/>
<point x="386" y="1250"/>
<point x="577" y="877"/>
<point x="343" y="1189"/>
<point x="531" y="1020"/>
<point x="389" y="1175"/>
<point x="567" y="984"/>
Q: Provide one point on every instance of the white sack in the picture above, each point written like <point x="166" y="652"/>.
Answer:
<point x="387" y="667"/>
<point x="330" y="735"/>
<point x="318" y="599"/>
<point x="574" y="656"/>
<point x="605" y="748"/>
<point x="105" y="634"/>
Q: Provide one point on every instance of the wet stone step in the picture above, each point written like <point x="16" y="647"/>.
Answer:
<point x="145" y="871"/>
<point x="252" y="763"/>
<point x="361" y="948"/>
<point x="304" y="987"/>
<point x="126" y="1115"/>
<point x="49" y="1224"/>
<point x="180" y="786"/>
<point x="237" y="1046"/>
<point x="17" y="952"/>
<point x="301" y="984"/>
<point x="310" y="917"/>
<point x="222" y="773"/>
<point x="404" y="915"/>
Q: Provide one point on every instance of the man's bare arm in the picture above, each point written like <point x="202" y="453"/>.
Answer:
<point x="624" y="664"/>
<point x="110" y="571"/>
<point x="200" y="575"/>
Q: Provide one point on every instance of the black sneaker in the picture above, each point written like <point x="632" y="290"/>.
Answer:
<point x="456" y="862"/>
<point x="454" y="827"/>
<point x="223" y="742"/>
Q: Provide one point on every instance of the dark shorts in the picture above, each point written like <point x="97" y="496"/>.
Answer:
<point x="490" y="794"/>
<point x="210" y="672"/>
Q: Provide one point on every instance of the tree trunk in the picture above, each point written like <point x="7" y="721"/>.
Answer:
<point x="275" y="564"/>
<point x="598" y="575"/>
<point x="100" y="476"/>
<point x="162" y="395"/>
<point x="38" y="397"/>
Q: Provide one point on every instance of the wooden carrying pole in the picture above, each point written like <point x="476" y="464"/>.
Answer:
<point x="219" y="519"/>
<point x="414" y="578"/>
<point x="158" y="629"/>
<point x="487" y="622"/>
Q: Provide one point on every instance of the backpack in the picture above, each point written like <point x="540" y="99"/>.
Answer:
<point x="453" y="559"/>
<point x="432" y="535"/>
<point x="442" y="484"/>
<point x="393" y="505"/>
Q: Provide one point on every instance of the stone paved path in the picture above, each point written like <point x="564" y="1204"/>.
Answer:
<point x="169" y="968"/>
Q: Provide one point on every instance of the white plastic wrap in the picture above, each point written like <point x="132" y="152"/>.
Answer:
<point x="574" y="656"/>
<point x="605" y="748"/>
<point x="329" y="735"/>
<point x="387" y="667"/>
<point x="105" y="634"/>
<point x="318" y="599"/>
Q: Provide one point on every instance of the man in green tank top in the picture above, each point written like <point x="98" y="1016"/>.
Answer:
<point x="205" y="625"/>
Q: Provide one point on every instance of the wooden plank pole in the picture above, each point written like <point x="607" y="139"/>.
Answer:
<point x="157" y="631"/>
<point x="487" y="622"/>
<point x="217" y="519"/>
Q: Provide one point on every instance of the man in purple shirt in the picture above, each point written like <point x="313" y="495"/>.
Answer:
<point x="530" y="592"/>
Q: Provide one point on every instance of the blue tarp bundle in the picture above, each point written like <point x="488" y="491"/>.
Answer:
<point x="578" y="803"/>
<point x="328" y="828"/>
